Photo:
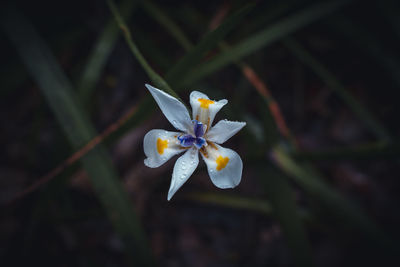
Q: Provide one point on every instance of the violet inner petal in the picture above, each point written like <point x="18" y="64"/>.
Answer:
<point x="198" y="128"/>
<point x="186" y="140"/>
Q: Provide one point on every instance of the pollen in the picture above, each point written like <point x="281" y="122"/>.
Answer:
<point x="161" y="145"/>
<point x="205" y="103"/>
<point x="221" y="162"/>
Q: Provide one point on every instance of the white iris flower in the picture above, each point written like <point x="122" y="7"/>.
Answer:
<point x="224" y="165"/>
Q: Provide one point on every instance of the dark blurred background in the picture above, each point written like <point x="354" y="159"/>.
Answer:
<point x="334" y="76"/>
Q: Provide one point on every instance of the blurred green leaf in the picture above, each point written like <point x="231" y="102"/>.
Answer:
<point x="285" y="209"/>
<point x="154" y="77"/>
<point x="233" y="201"/>
<point x="209" y="41"/>
<point x="100" y="53"/>
<point x="58" y="92"/>
<point x="262" y="16"/>
<point x="349" y="214"/>
<point x="14" y="74"/>
<point x="151" y="49"/>
<point x="158" y="14"/>
<point x="363" y="114"/>
<point x="261" y="39"/>
<point x="375" y="48"/>
<point x="372" y="151"/>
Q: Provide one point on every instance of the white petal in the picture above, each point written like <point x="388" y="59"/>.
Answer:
<point x="183" y="169"/>
<point x="224" y="130"/>
<point x="224" y="166"/>
<point x="204" y="109"/>
<point x="173" y="109"/>
<point x="159" y="146"/>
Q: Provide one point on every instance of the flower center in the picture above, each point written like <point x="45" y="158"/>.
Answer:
<point x="188" y="140"/>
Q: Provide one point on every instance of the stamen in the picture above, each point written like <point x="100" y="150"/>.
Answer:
<point x="212" y="145"/>
<point x="208" y="124"/>
<point x="204" y="152"/>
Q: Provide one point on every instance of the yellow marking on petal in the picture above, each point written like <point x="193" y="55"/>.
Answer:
<point x="221" y="162"/>
<point x="204" y="103"/>
<point x="161" y="145"/>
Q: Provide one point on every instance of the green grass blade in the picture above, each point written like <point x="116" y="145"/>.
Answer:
<point x="349" y="214"/>
<point x="233" y="201"/>
<point x="161" y="17"/>
<point x="58" y="92"/>
<point x="281" y="197"/>
<point x="363" y="114"/>
<point x="284" y="206"/>
<point x="259" y="205"/>
<point x="210" y="40"/>
<point x="154" y="77"/>
<point x="267" y="15"/>
<point x="261" y="39"/>
<point x="373" y="151"/>
<point x="361" y="36"/>
<point x="100" y="53"/>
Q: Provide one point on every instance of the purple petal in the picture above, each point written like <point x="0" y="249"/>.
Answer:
<point x="186" y="140"/>
<point x="200" y="142"/>
<point x="198" y="128"/>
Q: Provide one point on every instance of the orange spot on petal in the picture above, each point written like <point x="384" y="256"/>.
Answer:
<point x="221" y="162"/>
<point x="205" y="103"/>
<point x="161" y="145"/>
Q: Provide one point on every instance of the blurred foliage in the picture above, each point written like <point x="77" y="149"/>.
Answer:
<point x="179" y="46"/>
